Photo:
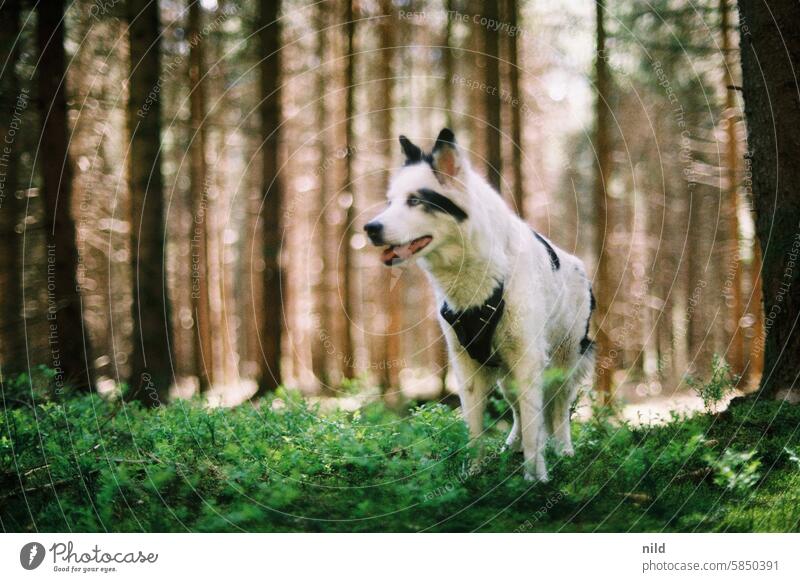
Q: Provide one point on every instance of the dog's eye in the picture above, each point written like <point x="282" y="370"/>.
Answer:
<point x="413" y="201"/>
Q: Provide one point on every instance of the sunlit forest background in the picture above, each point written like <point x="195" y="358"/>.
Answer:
<point x="200" y="173"/>
<point x="195" y="334"/>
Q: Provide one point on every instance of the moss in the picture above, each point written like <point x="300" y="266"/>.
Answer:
<point x="90" y="465"/>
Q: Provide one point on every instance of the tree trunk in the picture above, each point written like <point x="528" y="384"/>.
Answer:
<point x="516" y="110"/>
<point x="13" y="103"/>
<point x="151" y="360"/>
<point x="200" y="260"/>
<point x="700" y="270"/>
<point x="271" y="327"/>
<point x="226" y="350"/>
<point x="439" y="346"/>
<point x="602" y="283"/>
<point x="494" y="155"/>
<point x="770" y="59"/>
<point x="736" y="350"/>
<point x="347" y="192"/>
<point x="68" y="343"/>
<point x="320" y="293"/>
<point x="755" y="364"/>
<point x="393" y="295"/>
<point x="448" y="63"/>
<point x="474" y="100"/>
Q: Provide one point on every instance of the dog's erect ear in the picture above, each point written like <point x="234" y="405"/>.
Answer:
<point x="413" y="153"/>
<point x="446" y="156"/>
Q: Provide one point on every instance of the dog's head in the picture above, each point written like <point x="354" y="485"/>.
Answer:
<point x="427" y="201"/>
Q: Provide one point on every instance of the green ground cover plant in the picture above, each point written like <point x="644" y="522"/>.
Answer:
<point x="89" y="464"/>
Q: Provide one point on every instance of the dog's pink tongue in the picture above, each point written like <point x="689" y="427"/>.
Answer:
<point x="403" y="252"/>
<point x="399" y="252"/>
<point x="420" y="243"/>
<point x="388" y="255"/>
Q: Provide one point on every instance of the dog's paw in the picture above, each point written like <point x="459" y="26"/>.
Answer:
<point x="536" y="473"/>
<point x="562" y="447"/>
<point x="532" y="477"/>
<point x="563" y="450"/>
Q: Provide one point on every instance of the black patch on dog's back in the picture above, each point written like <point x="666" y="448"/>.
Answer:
<point x="555" y="262"/>
<point x="435" y="202"/>
<point x="586" y="343"/>
<point x="475" y="327"/>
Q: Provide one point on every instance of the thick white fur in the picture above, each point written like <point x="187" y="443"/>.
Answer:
<point x="545" y="310"/>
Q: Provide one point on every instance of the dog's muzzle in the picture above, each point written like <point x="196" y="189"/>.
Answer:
<point x="374" y="231"/>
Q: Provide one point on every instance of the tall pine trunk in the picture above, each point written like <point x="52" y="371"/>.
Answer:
<point x="448" y="63"/>
<point x="755" y="363"/>
<point x="439" y="347"/>
<point x="393" y="295"/>
<point x="475" y="101"/>
<point x="494" y="127"/>
<point x="320" y="292"/>
<point x="736" y="349"/>
<point x="151" y="361"/>
<point x="516" y="109"/>
<point x="70" y="352"/>
<point x="346" y="192"/>
<point x="270" y="28"/>
<point x="200" y="260"/>
<point x="602" y="283"/>
<point x="13" y="103"/>
<point x="770" y="49"/>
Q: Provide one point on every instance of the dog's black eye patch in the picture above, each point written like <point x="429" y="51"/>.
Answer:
<point x="435" y="202"/>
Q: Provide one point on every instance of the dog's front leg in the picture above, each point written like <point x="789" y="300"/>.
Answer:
<point x="528" y="378"/>
<point x="473" y="387"/>
<point x="472" y="393"/>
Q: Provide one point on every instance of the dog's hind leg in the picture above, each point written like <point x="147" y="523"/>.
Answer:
<point x="563" y="399"/>
<point x="559" y="415"/>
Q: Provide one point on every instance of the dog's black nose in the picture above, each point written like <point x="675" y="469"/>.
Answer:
<point x="374" y="231"/>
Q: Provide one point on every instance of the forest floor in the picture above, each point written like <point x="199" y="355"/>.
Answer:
<point x="88" y="464"/>
<point x="634" y="407"/>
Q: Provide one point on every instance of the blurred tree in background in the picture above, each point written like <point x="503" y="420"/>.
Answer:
<point x="203" y="169"/>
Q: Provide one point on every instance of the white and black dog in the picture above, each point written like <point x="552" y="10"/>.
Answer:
<point x="512" y="303"/>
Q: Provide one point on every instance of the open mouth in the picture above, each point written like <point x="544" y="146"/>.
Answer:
<point x="398" y="253"/>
